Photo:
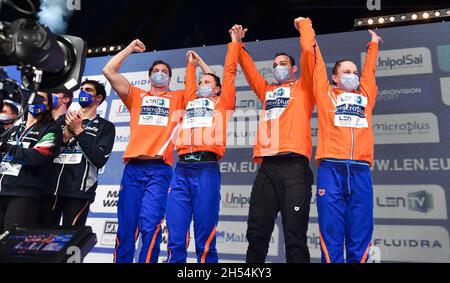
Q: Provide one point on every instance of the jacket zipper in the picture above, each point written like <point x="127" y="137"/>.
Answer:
<point x="59" y="179"/>
<point x="353" y="144"/>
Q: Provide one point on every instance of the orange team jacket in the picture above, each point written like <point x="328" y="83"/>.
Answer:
<point x="155" y="120"/>
<point x="204" y="127"/>
<point x="345" y="119"/>
<point x="284" y="123"/>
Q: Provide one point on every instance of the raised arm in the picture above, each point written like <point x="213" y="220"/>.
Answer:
<point x="230" y="70"/>
<point x="197" y="59"/>
<point x="111" y="70"/>
<point x="312" y="66"/>
<point x="256" y="81"/>
<point x="308" y="56"/>
<point x="190" y="83"/>
<point x="368" y="81"/>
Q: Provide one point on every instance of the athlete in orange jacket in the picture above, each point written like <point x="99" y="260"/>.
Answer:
<point x="283" y="144"/>
<point x="155" y="117"/>
<point x="344" y="154"/>
<point x="195" y="189"/>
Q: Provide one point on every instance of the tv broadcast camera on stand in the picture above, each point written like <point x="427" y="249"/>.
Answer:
<point x="50" y="63"/>
<point x="47" y="62"/>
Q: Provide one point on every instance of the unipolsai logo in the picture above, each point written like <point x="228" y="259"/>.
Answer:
<point x="122" y="110"/>
<point x="421" y="201"/>
<point x="233" y="200"/>
<point x="407" y="61"/>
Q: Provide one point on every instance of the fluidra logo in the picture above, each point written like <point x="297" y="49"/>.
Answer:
<point x="407" y="243"/>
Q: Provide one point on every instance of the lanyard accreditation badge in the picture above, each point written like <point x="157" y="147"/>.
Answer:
<point x="199" y="113"/>
<point x="154" y="111"/>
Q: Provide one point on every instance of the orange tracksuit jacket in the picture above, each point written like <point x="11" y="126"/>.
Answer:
<point x="155" y="120"/>
<point x="340" y="142"/>
<point x="284" y="123"/>
<point x="212" y="137"/>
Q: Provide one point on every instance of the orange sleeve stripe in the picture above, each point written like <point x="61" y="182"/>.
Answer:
<point x="208" y="242"/>
<point x="324" y="249"/>
<point x="79" y="213"/>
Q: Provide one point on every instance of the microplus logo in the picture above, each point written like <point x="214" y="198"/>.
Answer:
<point x="406" y="128"/>
<point x="398" y="62"/>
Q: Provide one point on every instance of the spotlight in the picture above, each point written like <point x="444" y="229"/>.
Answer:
<point x="111" y="48"/>
<point x="401" y="19"/>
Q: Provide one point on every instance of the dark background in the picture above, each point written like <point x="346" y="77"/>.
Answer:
<point x="172" y="24"/>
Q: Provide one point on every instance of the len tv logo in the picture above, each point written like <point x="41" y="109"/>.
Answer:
<point x="421" y="201"/>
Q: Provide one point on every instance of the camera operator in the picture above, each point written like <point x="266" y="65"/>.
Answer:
<point x="88" y="142"/>
<point x="27" y="151"/>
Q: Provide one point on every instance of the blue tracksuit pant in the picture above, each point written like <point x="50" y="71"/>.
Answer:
<point x="194" y="194"/>
<point x="345" y="210"/>
<point x="141" y="208"/>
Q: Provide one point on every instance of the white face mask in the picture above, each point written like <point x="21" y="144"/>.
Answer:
<point x="349" y="82"/>
<point x="281" y="74"/>
<point x="160" y="79"/>
<point x="6" y="119"/>
<point x="204" y="91"/>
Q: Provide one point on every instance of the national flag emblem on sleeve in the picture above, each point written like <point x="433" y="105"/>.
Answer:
<point x="45" y="145"/>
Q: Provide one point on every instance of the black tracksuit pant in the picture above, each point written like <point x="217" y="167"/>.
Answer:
<point x="17" y="210"/>
<point x="283" y="183"/>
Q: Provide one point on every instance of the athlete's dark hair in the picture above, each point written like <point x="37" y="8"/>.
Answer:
<point x="99" y="88"/>
<point x="285" y="54"/>
<point x="216" y="78"/>
<point x="157" y="62"/>
<point x="336" y="68"/>
<point x="68" y="94"/>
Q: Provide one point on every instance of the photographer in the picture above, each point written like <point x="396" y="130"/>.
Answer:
<point x="27" y="151"/>
<point x="88" y="142"/>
